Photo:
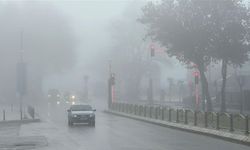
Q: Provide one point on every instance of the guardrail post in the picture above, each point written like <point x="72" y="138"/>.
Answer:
<point x="127" y="108"/>
<point x="169" y="115"/>
<point x="177" y="115"/>
<point x="21" y="114"/>
<point x="3" y="115"/>
<point x="217" y="121"/>
<point x="156" y="112"/>
<point x="159" y="113"/>
<point x="231" y="123"/>
<point x="162" y="113"/>
<point x="205" y="119"/>
<point x="135" y="107"/>
<point x="139" y="110"/>
<point x="142" y="110"/>
<point x="132" y="109"/>
<point x="247" y="124"/>
<point x="150" y="111"/>
<point x="195" y="118"/>
<point x="186" y="116"/>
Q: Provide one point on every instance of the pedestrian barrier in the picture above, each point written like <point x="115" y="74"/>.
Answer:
<point x="213" y="120"/>
<point x="31" y="111"/>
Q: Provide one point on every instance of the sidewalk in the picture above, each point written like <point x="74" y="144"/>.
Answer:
<point x="11" y="113"/>
<point x="10" y="128"/>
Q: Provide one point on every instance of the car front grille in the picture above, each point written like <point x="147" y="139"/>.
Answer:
<point x="82" y="116"/>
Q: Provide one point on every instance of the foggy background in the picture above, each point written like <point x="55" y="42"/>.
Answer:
<point x="64" y="40"/>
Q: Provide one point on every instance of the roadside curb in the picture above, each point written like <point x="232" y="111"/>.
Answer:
<point x="227" y="136"/>
<point x="21" y="121"/>
<point x="23" y="142"/>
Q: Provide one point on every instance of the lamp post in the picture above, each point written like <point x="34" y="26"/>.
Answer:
<point x="21" y="77"/>
<point x="86" y="79"/>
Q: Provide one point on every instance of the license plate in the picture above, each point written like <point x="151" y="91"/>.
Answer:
<point x="83" y="118"/>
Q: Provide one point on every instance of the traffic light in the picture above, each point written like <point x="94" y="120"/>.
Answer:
<point x="112" y="79"/>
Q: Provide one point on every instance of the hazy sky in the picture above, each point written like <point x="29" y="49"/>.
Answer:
<point x="90" y="20"/>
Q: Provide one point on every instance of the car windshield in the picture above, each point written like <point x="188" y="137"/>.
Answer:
<point x="81" y="108"/>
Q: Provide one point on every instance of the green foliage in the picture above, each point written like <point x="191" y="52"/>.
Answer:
<point x="200" y="31"/>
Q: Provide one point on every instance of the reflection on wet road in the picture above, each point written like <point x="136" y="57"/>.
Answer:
<point x="117" y="133"/>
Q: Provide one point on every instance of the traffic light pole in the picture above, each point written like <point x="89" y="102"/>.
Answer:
<point x="111" y="86"/>
<point x="21" y="106"/>
<point x="196" y="78"/>
<point x="111" y="89"/>
<point x="109" y="93"/>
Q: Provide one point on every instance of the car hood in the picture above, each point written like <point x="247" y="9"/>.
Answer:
<point x="81" y="112"/>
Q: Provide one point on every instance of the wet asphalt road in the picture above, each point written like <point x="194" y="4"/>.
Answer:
<point x="118" y="133"/>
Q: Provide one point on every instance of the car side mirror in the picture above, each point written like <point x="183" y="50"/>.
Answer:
<point x="94" y="109"/>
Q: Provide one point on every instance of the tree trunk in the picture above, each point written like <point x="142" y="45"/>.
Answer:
<point x="241" y="100"/>
<point x="223" y="87"/>
<point x="205" y="90"/>
<point x="150" y="92"/>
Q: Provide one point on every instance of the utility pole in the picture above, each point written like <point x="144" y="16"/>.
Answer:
<point x="111" y="86"/>
<point x="86" y="78"/>
<point x="21" y="77"/>
<point x="197" y="101"/>
<point x="150" y="92"/>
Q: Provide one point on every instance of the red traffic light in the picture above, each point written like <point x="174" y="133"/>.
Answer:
<point x="196" y="73"/>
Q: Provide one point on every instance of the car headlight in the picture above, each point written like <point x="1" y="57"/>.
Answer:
<point x="58" y="102"/>
<point x="91" y="115"/>
<point x="74" y="116"/>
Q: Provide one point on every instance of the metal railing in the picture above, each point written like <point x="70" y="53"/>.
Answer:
<point x="13" y="115"/>
<point x="214" y="120"/>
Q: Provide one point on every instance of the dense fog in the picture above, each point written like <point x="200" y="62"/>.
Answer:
<point x="61" y="41"/>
